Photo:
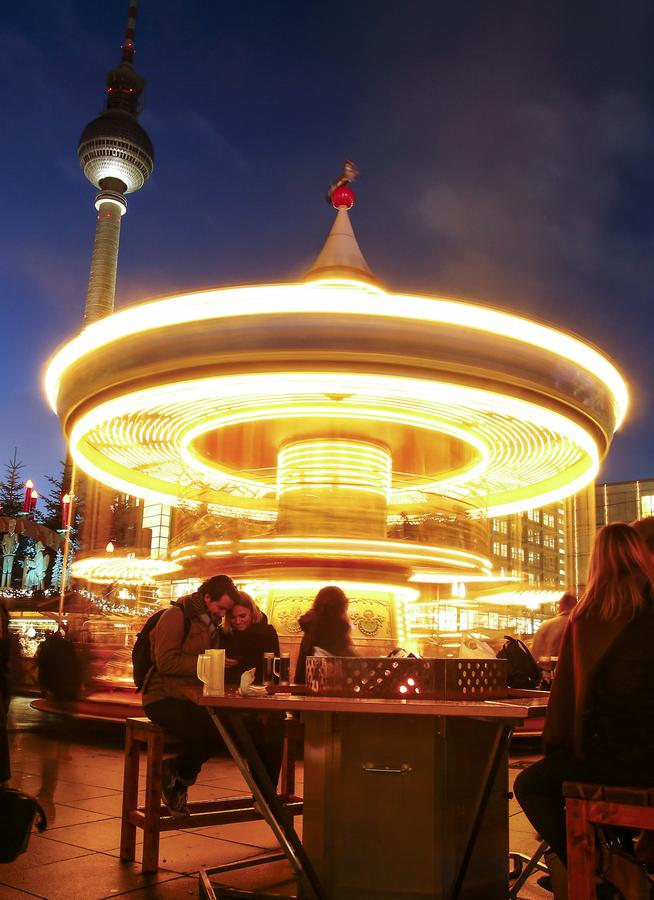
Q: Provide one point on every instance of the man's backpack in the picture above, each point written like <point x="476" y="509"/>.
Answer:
<point x="142" y="660"/>
<point x="18" y="813"/>
<point x="522" y="671"/>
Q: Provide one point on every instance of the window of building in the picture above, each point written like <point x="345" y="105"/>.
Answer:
<point x="533" y="536"/>
<point x="548" y="520"/>
<point x="156" y="517"/>
<point x="533" y="515"/>
<point x="500" y="549"/>
<point x="500" y="525"/>
<point x="549" y="541"/>
<point x="518" y="553"/>
<point x="646" y="505"/>
<point x="533" y="557"/>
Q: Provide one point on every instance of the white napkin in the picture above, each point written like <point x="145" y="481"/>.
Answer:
<point x="247" y="688"/>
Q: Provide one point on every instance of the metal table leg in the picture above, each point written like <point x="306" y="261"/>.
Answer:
<point x="500" y="743"/>
<point x="234" y="730"/>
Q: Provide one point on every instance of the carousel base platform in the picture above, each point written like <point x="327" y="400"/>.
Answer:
<point x="105" y="706"/>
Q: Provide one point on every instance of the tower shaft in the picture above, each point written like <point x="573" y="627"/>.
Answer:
<point x="101" y="291"/>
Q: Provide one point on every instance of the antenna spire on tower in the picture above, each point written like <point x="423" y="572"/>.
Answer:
<point x="128" y="44"/>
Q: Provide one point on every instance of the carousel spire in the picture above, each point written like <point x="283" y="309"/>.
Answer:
<point x="341" y="256"/>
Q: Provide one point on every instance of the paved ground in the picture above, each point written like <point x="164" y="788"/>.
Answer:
<point x="76" y="770"/>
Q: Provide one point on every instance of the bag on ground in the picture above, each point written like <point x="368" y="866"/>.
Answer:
<point x="18" y="814"/>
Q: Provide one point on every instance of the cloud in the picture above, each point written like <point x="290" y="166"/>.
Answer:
<point x="537" y="209"/>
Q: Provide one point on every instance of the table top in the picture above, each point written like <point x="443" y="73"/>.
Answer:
<point x="487" y="709"/>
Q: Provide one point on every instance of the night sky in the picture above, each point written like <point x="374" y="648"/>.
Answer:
<point x="506" y="151"/>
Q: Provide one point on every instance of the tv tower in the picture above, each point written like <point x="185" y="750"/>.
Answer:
<point x="116" y="156"/>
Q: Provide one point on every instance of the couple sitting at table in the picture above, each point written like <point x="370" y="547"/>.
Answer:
<point x="217" y="615"/>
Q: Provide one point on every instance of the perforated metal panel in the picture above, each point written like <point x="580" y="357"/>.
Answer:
<point x="405" y="678"/>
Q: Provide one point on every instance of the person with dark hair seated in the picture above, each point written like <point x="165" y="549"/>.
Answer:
<point x="171" y="689"/>
<point x="325" y="625"/>
<point x="599" y="727"/>
<point x="247" y="636"/>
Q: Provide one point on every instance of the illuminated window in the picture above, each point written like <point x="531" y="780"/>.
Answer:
<point x="549" y="541"/>
<point x="156" y="517"/>
<point x="500" y="525"/>
<point x="533" y="557"/>
<point x="500" y="549"/>
<point x="533" y="515"/>
<point x="533" y="536"/>
<point x="548" y="520"/>
<point x="518" y="553"/>
<point x="646" y="505"/>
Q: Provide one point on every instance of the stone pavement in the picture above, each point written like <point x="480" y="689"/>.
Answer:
<point x="76" y="769"/>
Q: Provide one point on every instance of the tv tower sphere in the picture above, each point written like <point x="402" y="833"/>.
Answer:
<point x="114" y="147"/>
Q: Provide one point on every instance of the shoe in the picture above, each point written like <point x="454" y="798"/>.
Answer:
<point x="178" y="805"/>
<point x="173" y="792"/>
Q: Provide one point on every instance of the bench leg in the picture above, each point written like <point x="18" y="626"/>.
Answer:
<point x="130" y="797"/>
<point x="582" y="850"/>
<point x="152" y="803"/>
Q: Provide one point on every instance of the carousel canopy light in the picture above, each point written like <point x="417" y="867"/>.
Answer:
<point x="121" y="570"/>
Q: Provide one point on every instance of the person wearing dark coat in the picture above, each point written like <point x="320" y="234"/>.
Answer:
<point x="600" y="718"/>
<point x="5" y="643"/>
<point x="247" y="635"/>
<point x="325" y="625"/>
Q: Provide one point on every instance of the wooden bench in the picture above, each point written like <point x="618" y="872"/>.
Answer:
<point x="588" y="805"/>
<point x="153" y="817"/>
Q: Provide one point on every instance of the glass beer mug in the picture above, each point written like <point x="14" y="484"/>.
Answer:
<point x="282" y="668"/>
<point x="211" y="671"/>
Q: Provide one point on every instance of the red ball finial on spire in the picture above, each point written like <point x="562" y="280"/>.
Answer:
<point x="343" y="197"/>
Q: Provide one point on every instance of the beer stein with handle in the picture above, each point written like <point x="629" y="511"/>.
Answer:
<point x="211" y="671"/>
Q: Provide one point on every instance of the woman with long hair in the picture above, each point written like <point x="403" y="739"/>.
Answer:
<point x="600" y="718"/>
<point x="247" y="636"/>
<point x="325" y="625"/>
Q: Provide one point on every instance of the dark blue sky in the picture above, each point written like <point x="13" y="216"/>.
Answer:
<point x="506" y="150"/>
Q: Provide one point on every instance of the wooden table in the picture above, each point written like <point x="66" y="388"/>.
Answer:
<point x="402" y="798"/>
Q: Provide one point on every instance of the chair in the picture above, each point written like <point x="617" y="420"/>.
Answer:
<point x="153" y="817"/>
<point x="588" y="805"/>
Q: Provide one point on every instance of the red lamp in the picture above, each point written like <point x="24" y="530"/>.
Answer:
<point x="34" y="496"/>
<point x="65" y="511"/>
<point x="29" y="484"/>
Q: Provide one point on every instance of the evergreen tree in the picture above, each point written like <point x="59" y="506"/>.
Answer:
<point x="57" y="569"/>
<point x="12" y="487"/>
